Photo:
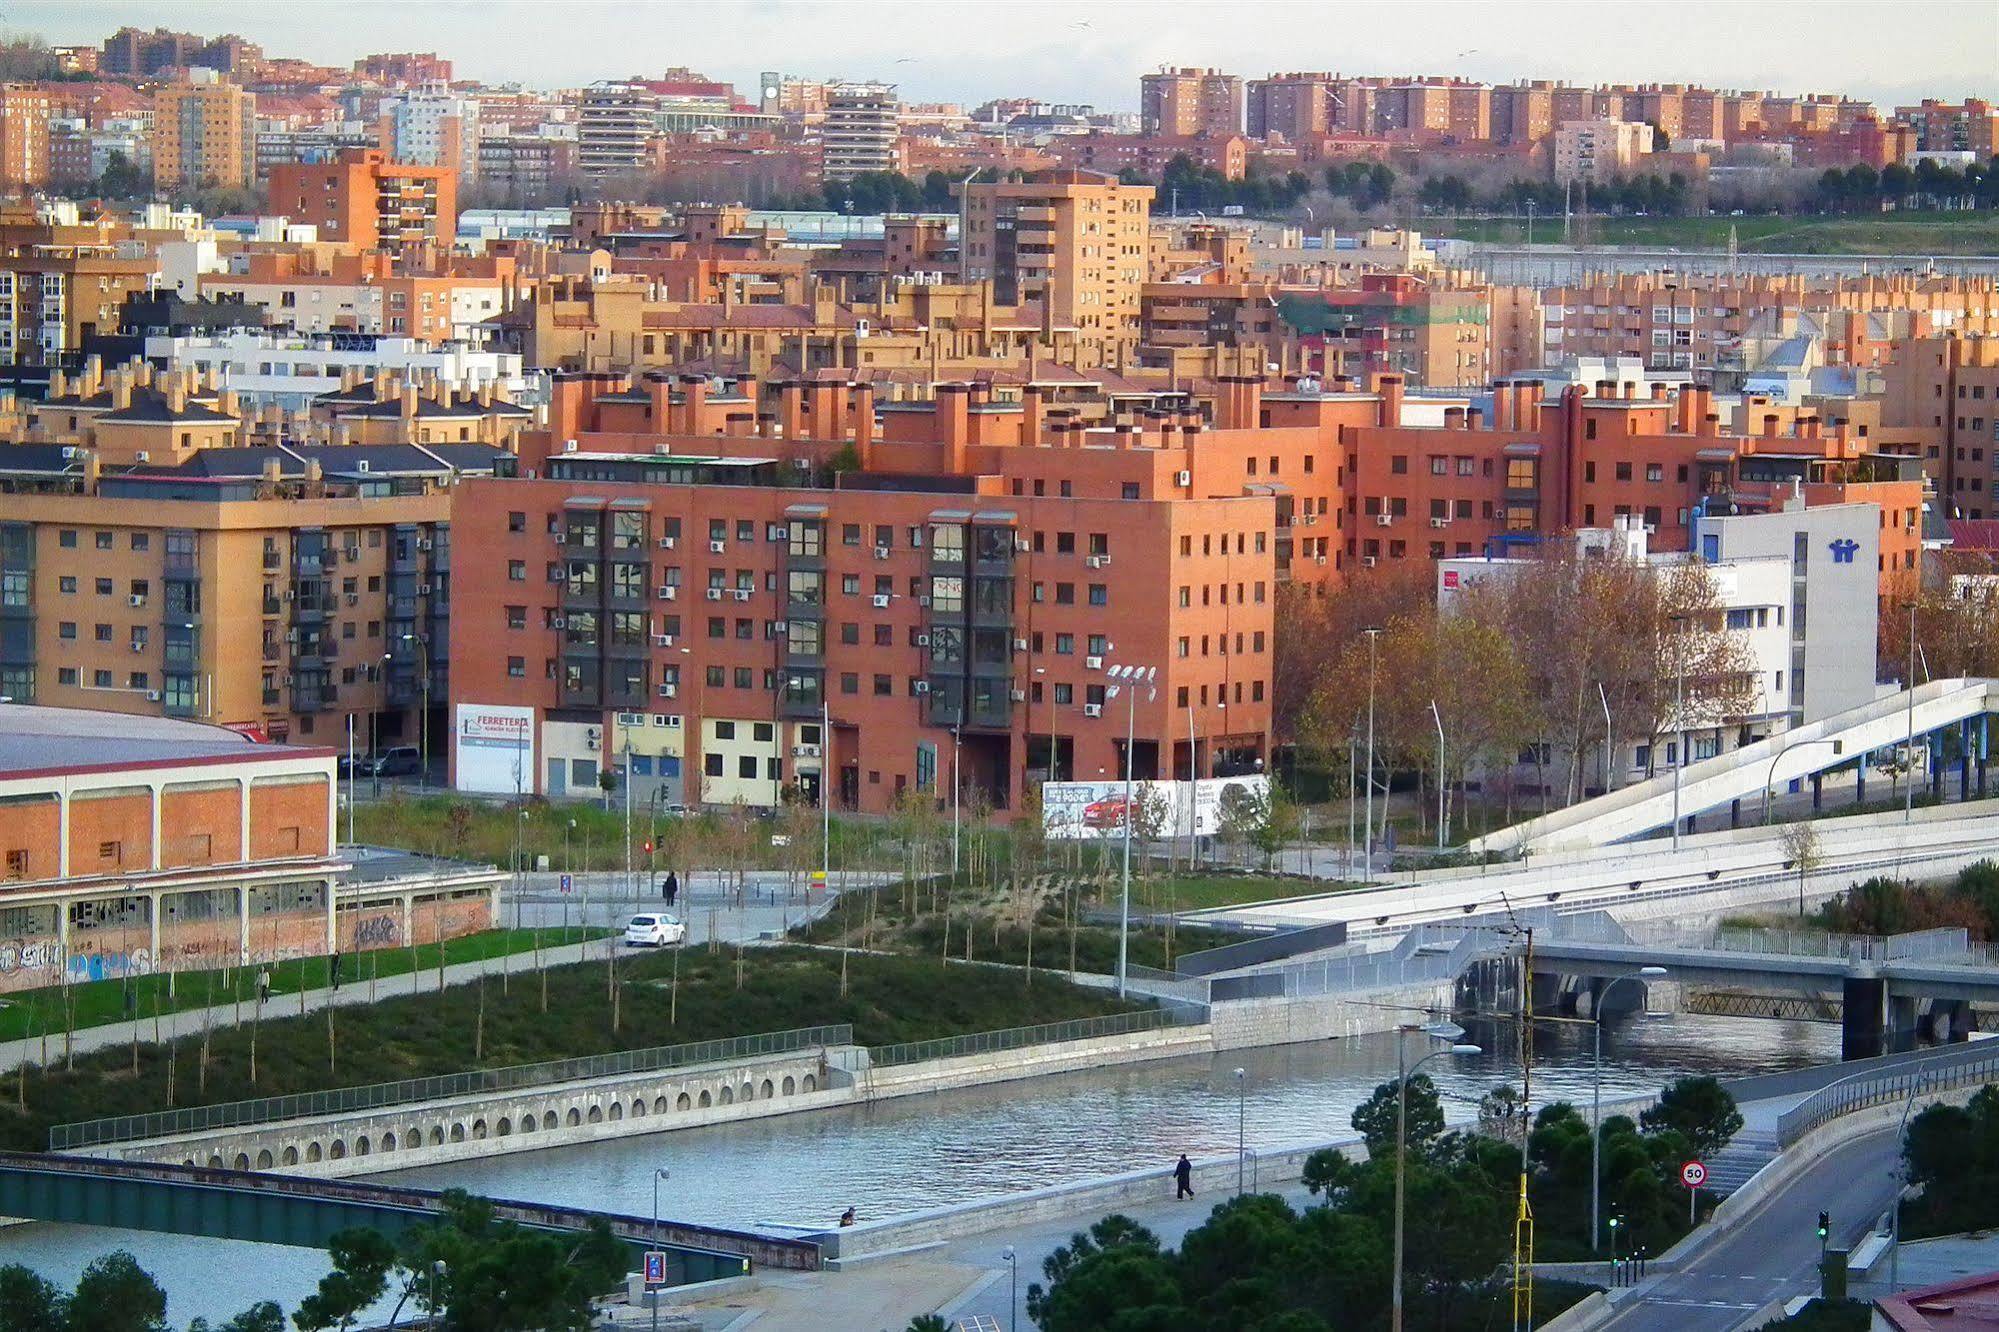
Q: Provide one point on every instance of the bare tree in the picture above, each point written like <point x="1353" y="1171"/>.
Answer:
<point x="1802" y="852"/>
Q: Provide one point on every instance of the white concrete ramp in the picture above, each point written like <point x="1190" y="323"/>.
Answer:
<point x="1744" y="774"/>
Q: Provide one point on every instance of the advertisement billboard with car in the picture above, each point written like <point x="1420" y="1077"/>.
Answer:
<point x="1084" y="810"/>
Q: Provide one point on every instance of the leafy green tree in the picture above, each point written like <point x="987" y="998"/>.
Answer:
<point x="362" y="1261"/>
<point x="115" y="1294"/>
<point x="1375" y="1118"/>
<point x="1700" y="1110"/>
<point x="928" y="1322"/>
<point x="29" y="1302"/>
<point x="264" y="1316"/>
<point x="1952" y="1154"/>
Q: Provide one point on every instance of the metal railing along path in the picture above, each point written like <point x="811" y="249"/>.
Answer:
<point x="1019" y="1038"/>
<point x="373" y="1096"/>
<point x="1962" y="1067"/>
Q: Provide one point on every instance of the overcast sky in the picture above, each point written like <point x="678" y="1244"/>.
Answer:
<point x="1094" y="50"/>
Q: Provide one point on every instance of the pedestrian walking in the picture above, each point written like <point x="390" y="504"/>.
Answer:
<point x="335" y="977"/>
<point x="1183" y="1178"/>
<point x="671" y="888"/>
<point x="264" y="986"/>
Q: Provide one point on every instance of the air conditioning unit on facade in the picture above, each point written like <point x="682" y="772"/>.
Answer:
<point x="743" y="593"/>
<point x="922" y="686"/>
<point x="1384" y="519"/>
<point x="1183" y="479"/>
<point x="717" y="547"/>
<point x="669" y="593"/>
<point x="1309" y="519"/>
<point x="1017" y="695"/>
<point x="668" y="691"/>
<point x="923" y="640"/>
<point x="881" y="601"/>
<point x="1093" y="709"/>
<point x="882" y="552"/>
<point x="138" y="599"/>
<point x="1440" y="523"/>
<point x="1093" y="663"/>
<point x="1097" y="561"/>
<point x="1367" y="561"/>
<point x="153" y="695"/>
<point x="1020" y="645"/>
<point x="714" y="594"/>
<point x="662" y="640"/>
<point x="667" y="543"/>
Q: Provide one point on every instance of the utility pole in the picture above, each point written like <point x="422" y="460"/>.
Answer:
<point x="1909" y="755"/>
<point x="1367" y="832"/>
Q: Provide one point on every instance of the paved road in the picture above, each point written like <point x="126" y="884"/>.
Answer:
<point x="1774" y="1254"/>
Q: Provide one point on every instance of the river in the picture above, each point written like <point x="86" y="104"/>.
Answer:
<point x="917" y="1152"/>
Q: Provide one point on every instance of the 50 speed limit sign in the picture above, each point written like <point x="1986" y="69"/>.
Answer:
<point x="1693" y="1174"/>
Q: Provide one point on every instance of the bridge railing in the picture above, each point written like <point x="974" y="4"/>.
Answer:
<point x="1885" y="1087"/>
<point x="373" y="1096"/>
<point x="1019" y="1038"/>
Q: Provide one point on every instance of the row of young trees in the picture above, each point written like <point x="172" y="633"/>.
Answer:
<point x="1519" y="667"/>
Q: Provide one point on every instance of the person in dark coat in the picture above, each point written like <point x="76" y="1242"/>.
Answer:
<point x="670" y="887"/>
<point x="1183" y="1177"/>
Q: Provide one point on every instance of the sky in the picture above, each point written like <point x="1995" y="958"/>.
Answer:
<point x="1892" y="51"/>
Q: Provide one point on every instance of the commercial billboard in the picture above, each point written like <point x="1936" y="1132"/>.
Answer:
<point x="493" y="748"/>
<point x="1084" y="810"/>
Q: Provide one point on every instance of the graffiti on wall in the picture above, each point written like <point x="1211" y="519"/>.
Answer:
<point x="377" y="932"/>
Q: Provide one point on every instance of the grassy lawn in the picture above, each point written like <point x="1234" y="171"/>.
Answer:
<point x="475" y="830"/>
<point x="31" y="1013"/>
<point x="662" y="998"/>
<point x="1971" y="233"/>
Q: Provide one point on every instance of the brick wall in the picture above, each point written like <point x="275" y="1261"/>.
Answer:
<point x="289" y="818"/>
<point x="201" y="825"/>
<point x="110" y="832"/>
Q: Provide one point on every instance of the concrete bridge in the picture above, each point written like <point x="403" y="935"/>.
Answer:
<point x="306" y="1213"/>
<point x="1889" y="991"/>
<point x="1922" y="716"/>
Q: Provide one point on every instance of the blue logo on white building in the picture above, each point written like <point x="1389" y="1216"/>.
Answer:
<point x="1843" y="550"/>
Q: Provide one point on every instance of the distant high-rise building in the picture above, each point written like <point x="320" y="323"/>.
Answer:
<point x="131" y="51"/>
<point x="1075" y="241"/>
<point x="204" y="133"/>
<point x="431" y="126"/>
<point x="1968" y="127"/>
<point x="614" y="120"/>
<point x="1291" y="106"/>
<point x="1598" y="149"/>
<point x="404" y="68"/>
<point x="860" y="130"/>
<point x="1190" y="101"/>
<point x="365" y="199"/>
<point x="24" y="137"/>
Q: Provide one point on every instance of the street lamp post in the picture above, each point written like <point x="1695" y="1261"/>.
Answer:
<point x="1367" y="833"/>
<point x="1241" y="1127"/>
<point x="1596" y="1095"/>
<point x="1132" y="677"/>
<point x="423" y="718"/>
<point x="1438" y="717"/>
<point x="1770" y="781"/>
<point x="437" y="1269"/>
<point x="1012" y="1288"/>
<point x="1909" y="750"/>
<point x="956" y="731"/>
<point x="1679" y="725"/>
<point x="652" y="1297"/>
<point x="1404" y="1071"/>
<point x="1901" y="1166"/>
<point x="1609" y="743"/>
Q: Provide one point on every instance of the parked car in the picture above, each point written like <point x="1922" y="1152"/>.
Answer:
<point x="401" y="761"/>
<point x="654" y="931"/>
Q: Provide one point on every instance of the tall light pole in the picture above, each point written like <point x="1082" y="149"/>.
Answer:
<point x="1609" y="744"/>
<point x="956" y="731"/>
<point x="825" y="793"/>
<point x="1438" y="717"/>
<point x="652" y="1296"/>
<point x="1241" y="1127"/>
<point x="1901" y="1166"/>
<point x="437" y="1269"/>
<point x="1596" y="1095"/>
<point x="423" y="717"/>
<point x="1679" y="722"/>
<point x="1770" y="780"/>
<point x="1909" y="681"/>
<point x="1367" y="832"/>
<point x="1012" y="1288"/>
<point x="631" y="889"/>
<point x="1404" y="1071"/>
<point x="1131" y="677"/>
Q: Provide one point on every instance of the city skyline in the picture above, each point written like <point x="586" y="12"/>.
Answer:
<point x="1089" y="52"/>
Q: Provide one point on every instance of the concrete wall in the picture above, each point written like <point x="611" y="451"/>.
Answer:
<point x="1251" y="1022"/>
<point x="488" y="1124"/>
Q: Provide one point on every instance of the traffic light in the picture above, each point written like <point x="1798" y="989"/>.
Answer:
<point x="1825" y="1224"/>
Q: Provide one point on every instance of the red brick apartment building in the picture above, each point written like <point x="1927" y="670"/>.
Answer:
<point x="681" y="576"/>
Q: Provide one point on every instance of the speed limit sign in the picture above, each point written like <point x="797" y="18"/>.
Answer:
<point x="1693" y="1174"/>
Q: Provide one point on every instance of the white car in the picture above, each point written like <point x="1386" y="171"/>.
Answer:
<point x="655" y="931"/>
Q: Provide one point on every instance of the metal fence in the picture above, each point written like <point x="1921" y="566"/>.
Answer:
<point x="1961" y="1068"/>
<point x="347" y="1100"/>
<point x="1019" y="1038"/>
